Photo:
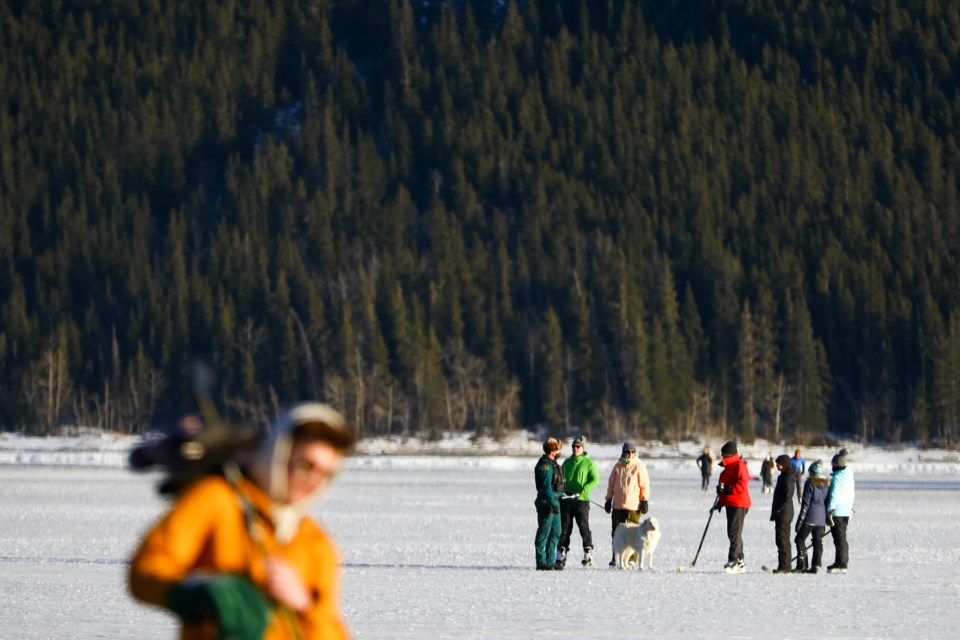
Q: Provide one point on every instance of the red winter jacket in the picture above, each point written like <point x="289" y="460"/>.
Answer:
<point x="735" y="476"/>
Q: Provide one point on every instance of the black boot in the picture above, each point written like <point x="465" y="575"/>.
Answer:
<point x="801" y="562"/>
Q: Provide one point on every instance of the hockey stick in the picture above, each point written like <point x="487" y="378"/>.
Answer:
<point x="715" y="507"/>
<point x="810" y="546"/>
<point x="794" y="558"/>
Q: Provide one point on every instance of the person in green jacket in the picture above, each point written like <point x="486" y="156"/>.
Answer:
<point x="549" y="480"/>
<point x="581" y="476"/>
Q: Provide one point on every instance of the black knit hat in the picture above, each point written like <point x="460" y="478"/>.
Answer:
<point x="728" y="449"/>
<point x="784" y="461"/>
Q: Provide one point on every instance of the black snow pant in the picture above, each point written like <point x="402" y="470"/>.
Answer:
<point x="783" y="544"/>
<point x="801" y="540"/>
<point x="735" y="517"/>
<point x="704" y="481"/>
<point x="578" y="510"/>
<point x="839" y="533"/>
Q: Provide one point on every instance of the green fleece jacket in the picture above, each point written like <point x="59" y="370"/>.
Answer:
<point x="581" y="475"/>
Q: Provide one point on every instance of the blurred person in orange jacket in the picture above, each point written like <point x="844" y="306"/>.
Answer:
<point x="237" y="556"/>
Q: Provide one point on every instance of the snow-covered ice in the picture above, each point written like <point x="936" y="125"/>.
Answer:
<point x="442" y="547"/>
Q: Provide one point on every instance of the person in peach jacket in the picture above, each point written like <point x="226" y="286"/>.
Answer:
<point x="628" y="490"/>
<point x="237" y="556"/>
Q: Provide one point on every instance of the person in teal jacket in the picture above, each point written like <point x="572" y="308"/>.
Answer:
<point x="548" y="477"/>
<point x="581" y="476"/>
<point x="839" y="510"/>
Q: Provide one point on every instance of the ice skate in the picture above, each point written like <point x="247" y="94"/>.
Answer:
<point x="735" y="567"/>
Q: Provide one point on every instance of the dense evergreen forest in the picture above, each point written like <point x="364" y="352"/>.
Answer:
<point x="644" y="219"/>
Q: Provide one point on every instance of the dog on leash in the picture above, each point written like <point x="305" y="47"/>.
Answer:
<point x="632" y="538"/>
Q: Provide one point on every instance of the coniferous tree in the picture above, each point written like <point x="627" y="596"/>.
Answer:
<point x="553" y="390"/>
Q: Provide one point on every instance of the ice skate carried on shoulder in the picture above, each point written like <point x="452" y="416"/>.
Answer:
<point x="190" y="449"/>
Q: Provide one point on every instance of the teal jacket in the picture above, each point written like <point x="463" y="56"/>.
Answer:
<point x="841" y="493"/>
<point x="581" y="475"/>
<point x="549" y="480"/>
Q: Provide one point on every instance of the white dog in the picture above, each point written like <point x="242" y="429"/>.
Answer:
<point x="632" y="538"/>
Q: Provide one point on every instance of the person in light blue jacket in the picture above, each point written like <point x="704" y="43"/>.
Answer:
<point x="840" y="509"/>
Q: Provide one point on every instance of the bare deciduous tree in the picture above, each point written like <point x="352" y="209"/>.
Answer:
<point x="47" y="386"/>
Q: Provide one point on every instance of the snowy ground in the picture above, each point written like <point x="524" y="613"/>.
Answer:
<point x="442" y="547"/>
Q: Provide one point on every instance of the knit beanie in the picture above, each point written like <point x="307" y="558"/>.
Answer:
<point x="840" y="460"/>
<point x="816" y="470"/>
<point x="729" y="448"/>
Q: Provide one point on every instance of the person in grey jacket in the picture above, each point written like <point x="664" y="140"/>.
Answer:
<point x="812" y="518"/>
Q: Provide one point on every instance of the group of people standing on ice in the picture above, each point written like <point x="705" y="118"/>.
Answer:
<point x="824" y="501"/>
<point x="563" y="496"/>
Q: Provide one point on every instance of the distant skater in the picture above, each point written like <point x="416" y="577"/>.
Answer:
<point x="766" y="473"/>
<point x="798" y="462"/>
<point x="705" y="462"/>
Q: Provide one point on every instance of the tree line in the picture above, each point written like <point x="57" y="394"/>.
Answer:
<point x="603" y="216"/>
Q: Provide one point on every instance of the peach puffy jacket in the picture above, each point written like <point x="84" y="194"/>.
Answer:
<point x="629" y="483"/>
<point x="205" y="531"/>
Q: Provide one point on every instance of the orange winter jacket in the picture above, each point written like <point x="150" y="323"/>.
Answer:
<point x="629" y="483"/>
<point x="205" y="532"/>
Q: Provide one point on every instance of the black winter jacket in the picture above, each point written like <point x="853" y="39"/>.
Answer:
<point x="782" y="508"/>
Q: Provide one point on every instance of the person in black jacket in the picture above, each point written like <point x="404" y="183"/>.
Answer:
<point x="766" y="472"/>
<point x="705" y="462"/>
<point x="781" y="511"/>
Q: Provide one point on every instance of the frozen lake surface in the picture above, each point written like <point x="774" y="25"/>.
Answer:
<point x="443" y="548"/>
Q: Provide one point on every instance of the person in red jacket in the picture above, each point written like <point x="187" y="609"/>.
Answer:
<point x="733" y="490"/>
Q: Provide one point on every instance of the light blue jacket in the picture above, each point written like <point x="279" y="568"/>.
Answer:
<point x="840" y="498"/>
